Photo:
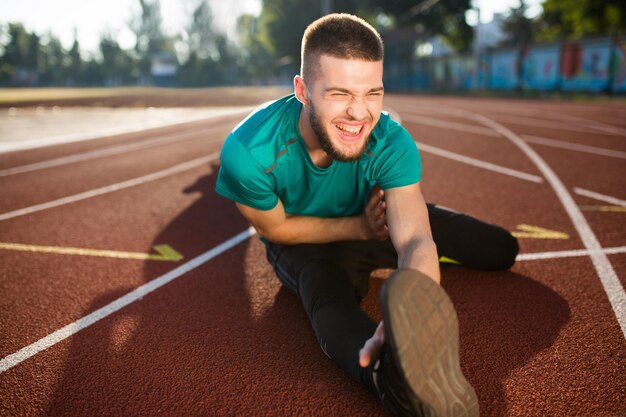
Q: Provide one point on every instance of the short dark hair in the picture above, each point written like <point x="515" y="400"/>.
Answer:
<point x="340" y="35"/>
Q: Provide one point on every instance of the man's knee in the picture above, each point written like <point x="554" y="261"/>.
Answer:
<point x="504" y="249"/>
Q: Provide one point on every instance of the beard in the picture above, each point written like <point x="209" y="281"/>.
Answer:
<point x="326" y="143"/>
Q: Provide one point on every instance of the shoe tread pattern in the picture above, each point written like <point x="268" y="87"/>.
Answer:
<point x="424" y="327"/>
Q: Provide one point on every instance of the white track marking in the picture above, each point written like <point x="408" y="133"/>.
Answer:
<point x="610" y="282"/>
<point x="111" y="188"/>
<point x="462" y="127"/>
<point x="574" y="146"/>
<point x="114" y="150"/>
<point x="567" y="254"/>
<point x="543" y="123"/>
<point x="600" y="197"/>
<point x="135" y="295"/>
<point x="469" y="128"/>
<point x="585" y="123"/>
<point x="77" y="137"/>
<point x="478" y="163"/>
<point x="604" y="127"/>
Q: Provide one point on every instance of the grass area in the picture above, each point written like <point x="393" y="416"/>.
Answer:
<point x="17" y="95"/>
<point x="137" y="96"/>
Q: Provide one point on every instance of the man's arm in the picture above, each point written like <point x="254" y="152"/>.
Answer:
<point x="409" y="228"/>
<point x="278" y="227"/>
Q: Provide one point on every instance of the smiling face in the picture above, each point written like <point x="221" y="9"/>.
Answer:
<point x="342" y="105"/>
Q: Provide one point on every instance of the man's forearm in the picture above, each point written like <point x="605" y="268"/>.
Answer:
<point x="307" y="229"/>
<point x="420" y="255"/>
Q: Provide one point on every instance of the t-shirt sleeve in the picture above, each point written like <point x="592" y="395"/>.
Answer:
<point x="400" y="163"/>
<point x="241" y="177"/>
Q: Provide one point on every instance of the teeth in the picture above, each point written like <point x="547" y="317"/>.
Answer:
<point x="350" y="129"/>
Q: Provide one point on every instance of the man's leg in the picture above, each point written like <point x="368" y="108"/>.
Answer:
<point x="471" y="242"/>
<point x="330" y="280"/>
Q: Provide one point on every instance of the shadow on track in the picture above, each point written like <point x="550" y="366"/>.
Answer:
<point x="228" y="339"/>
<point x="505" y="319"/>
<point x="223" y="339"/>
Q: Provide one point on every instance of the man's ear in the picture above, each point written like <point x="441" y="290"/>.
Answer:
<point x="300" y="90"/>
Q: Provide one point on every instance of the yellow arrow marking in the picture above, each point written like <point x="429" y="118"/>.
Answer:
<point x="617" y="209"/>
<point x="446" y="260"/>
<point x="164" y="252"/>
<point x="534" y="232"/>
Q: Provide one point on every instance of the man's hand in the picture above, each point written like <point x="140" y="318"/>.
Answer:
<point x="371" y="348"/>
<point x="375" y="217"/>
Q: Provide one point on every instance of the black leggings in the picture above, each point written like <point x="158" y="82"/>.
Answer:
<point x="331" y="279"/>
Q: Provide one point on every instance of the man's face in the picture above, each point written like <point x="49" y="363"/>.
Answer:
<point x="346" y="98"/>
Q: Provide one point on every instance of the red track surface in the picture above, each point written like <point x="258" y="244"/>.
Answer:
<point x="223" y="338"/>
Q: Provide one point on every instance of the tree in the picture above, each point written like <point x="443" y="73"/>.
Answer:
<point x="429" y="18"/>
<point x="200" y="34"/>
<point x="519" y="28"/>
<point x="257" y="62"/>
<point x="16" y="50"/>
<point x="53" y="70"/>
<point x="574" y="19"/>
<point x="147" y="27"/>
<point x="281" y="24"/>
<point x="75" y="63"/>
<point x="117" y="64"/>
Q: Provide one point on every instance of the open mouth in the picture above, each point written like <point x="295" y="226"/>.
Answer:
<point x="350" y="132"/>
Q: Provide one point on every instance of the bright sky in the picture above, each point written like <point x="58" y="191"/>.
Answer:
<point x="91" y="18"/>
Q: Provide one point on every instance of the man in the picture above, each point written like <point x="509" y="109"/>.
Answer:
<point x="332" y="185"/>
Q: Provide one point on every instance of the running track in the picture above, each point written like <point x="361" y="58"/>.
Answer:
<point x="119" y="328"/>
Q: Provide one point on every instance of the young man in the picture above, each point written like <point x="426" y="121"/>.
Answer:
<point x="332" y="185"/>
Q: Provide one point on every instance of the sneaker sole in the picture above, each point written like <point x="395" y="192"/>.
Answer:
<point x="422" y="331"/>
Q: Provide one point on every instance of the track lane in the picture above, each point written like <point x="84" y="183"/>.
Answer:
<point x="132" y="226"/>
<point x="60" y="182"/>
<point x="566" y="320"/>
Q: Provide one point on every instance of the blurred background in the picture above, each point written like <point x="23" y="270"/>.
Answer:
<point x="449" y="46"/>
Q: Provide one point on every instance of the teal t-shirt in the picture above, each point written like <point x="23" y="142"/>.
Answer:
<point x="265" y="159"/>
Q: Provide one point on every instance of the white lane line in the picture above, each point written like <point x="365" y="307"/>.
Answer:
<point x="113" y="150"/>
<point x="52" y="339"/>
<point x="468" y="128"/>
<point x="600" y="197"/>
<point x="569" y="119"/>
<point x="605" y="127"/>
<point x="543" y="123"/>
<point x="610" y="282"/>
<point x="446" y="124"/>
<point x="466" y="159"/>
<point x="574" y="146"/>
<point x="77" y="137"/>
<point x="111" y="188"/>
<point x="478" y="163"/>
<point x="567" y="254"/>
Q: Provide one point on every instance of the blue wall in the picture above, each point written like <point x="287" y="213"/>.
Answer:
<point x="591" y="65"/>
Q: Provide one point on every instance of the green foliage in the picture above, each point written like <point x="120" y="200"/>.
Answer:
<point x="118" y="67"/>
<point x="574" y="19"/>
<point x="16" y="50"/>
<point x="267" y="48"/>
<point x="281" y="25"/>
<point x="519" y="28"/>
<point x="429" y="18"/>
<point x="211" y="59"/>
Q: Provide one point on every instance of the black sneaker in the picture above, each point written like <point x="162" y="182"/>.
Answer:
<point x="418" y="373"/>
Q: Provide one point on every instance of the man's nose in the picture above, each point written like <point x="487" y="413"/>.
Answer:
<point x="357" y="109"/>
